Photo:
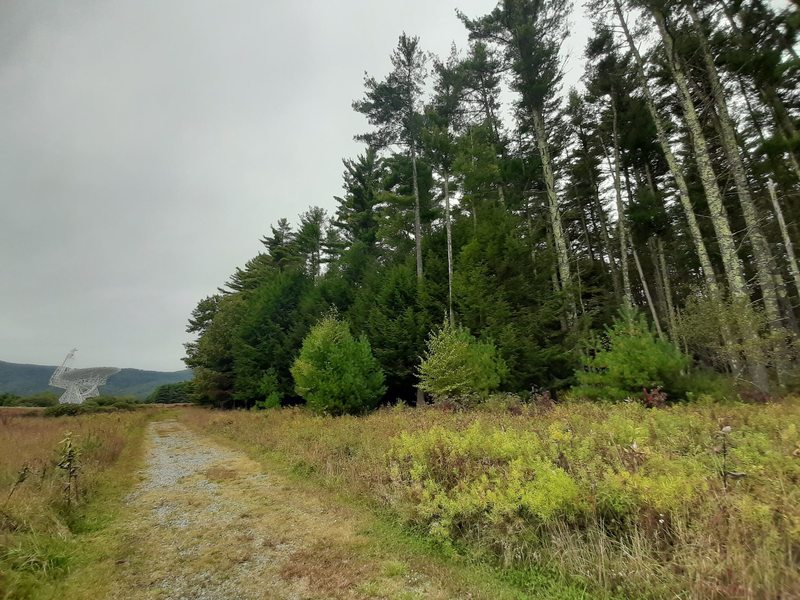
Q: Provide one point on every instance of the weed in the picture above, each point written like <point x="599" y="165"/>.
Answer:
<point x="43" y="555"/>
<point x="68" y="462"/>
<point x="21" y="477"/>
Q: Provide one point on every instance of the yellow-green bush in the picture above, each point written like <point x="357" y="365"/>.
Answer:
<point x="457" y="366"/>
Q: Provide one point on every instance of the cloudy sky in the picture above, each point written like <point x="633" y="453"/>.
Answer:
<point x="147" y="145"/>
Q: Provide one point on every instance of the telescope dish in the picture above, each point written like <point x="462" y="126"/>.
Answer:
<point x="79" y="384"/>
<point x="92" y="373"/>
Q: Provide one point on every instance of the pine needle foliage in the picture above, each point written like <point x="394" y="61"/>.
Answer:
<point x="629" y="361"/>
<point x="336" y="373"/>
<point x="458" y="366"/>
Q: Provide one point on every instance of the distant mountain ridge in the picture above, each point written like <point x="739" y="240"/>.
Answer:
<point x="25" y="380"/>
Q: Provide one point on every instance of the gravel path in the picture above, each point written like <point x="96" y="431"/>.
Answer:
<point x="206" y="523"/>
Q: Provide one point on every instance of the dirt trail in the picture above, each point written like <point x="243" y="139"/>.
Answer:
<point x="207" y="523"/>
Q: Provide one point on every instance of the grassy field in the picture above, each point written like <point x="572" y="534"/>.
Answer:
<point x="689" y="501"/>
<point x="568" y="501"/>
<point x="61" y="481"/>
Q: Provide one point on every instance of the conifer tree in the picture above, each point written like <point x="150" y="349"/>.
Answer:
<point x="393" y="107"/>
<point x="443" y="118"/>
<point x="531" y="33"/>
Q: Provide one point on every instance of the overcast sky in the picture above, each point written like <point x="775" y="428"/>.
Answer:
<point x="147" y="145"/>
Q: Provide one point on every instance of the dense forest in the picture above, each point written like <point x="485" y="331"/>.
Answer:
<point x="642" y="228"/>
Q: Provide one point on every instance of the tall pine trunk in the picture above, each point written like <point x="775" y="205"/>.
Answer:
<point x="601" y="215"/>
<point x="417" y="218"/>
<point x="727" y="245"/>
<point x="667" y="287"/>
<point x="417" y="239"/>
<point x="791" y="257"/>
<point x="727" y="130"/>
<point x="622" y="230"/>
<point x="734" y="270"/>
<point x="650" y="304"/>
<point x="559" y="238"/>
<point x="448" y="227"/>
<point x="672" y="161"/>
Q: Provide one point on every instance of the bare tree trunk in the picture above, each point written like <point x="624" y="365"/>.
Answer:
<point x="673" y="325"/>
<point x="623" y="244"/>
<point x="791" y="257"/>
<point x="672" y="161"/>
<point x="556" y="284"/>
<point x="727" y="130"/>
<point x="733" y="266"/>
<point x="449" y="247"/>
<point x="417" y="218"/>
<point x="647" y="295"/>
<point x="660" y="296"/>
<point x="785" y="124"/>
<point x="588" y="237"/>
<point x="529" y="224"/>
<point x="417" y="238"/>
<point x="677" y="173"/>
<point x="559" y="238"/>
<point x="601" y="215"/>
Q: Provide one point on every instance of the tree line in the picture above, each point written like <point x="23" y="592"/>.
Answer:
<point x="669" y="186"/>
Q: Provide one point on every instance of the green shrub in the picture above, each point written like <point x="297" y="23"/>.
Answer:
<point x="104" y="401"/>
<point x="172" y="393"/>
<point x="40" y="399"/>
<point x="7" y="399"/>
<point x="270" y="391"/>
<point x="62" y="410"/>
<point x="704" y="318"/>
<point x="630" y="359"/>
<point x="482" y="481"/>
<point x="458" y="366"/>
<point x="100" y="404"/>
<point x="336" y="373"/>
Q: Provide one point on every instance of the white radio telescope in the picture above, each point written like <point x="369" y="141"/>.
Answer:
<point x="79" y="384"/>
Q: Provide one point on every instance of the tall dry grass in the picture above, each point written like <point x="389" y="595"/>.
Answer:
<point x="38" y="512"/>
<point x="647" y="511"/>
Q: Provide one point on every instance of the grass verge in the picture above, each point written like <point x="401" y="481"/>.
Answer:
<point x="58" y="504"/>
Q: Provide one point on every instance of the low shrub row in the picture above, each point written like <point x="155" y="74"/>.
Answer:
<point x="35" y="400"/>
<point x="100" y="404"/>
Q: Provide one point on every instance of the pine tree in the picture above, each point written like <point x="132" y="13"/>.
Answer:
<point x="531" y="33"/>
<point x="355" y="214"/>
<point x="393" y="107"/>
<point x="444" y="117"/>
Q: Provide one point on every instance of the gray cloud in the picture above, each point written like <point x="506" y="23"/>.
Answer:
<point x="148" y="144"/>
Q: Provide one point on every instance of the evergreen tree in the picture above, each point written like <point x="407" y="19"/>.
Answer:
<point x="531" y="33"/>
<point x="393" y="107"/>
